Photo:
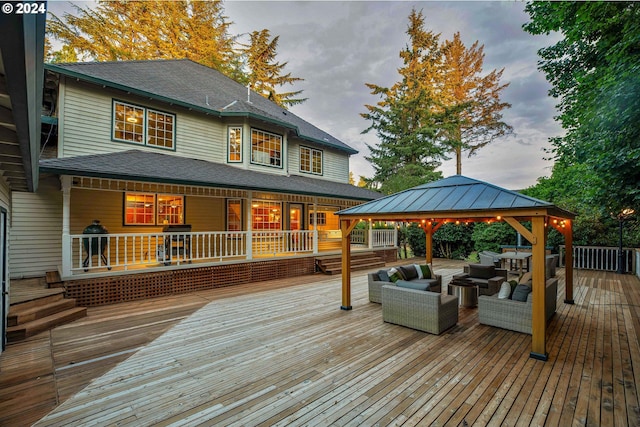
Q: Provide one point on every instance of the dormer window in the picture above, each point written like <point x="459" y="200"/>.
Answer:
<point x="266" y="148"/>
<point x="144" y="126"/>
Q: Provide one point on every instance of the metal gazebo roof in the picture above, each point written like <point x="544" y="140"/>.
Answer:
<point x="456" y="195"/>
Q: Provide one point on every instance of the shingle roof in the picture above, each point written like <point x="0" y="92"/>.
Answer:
<point x="450" y="195"/>
<point x="138" y="165"/>
<point x="189" y="84"/>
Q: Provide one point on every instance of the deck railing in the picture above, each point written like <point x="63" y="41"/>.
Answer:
<point x="603" y="258"/>
<point x="134" y="250"/>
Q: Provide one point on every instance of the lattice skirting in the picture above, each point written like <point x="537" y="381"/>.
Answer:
<point x="115" y="289"/>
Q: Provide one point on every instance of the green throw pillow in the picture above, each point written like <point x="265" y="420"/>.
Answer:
<point x="426" y="271"/>
<point x="394" y="275"/>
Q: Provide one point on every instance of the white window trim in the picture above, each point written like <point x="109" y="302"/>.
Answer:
<point x="311" y="152"/>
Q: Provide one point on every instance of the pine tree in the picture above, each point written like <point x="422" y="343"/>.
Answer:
<point x="408" y="118"/>
<point x="132" y="30"/>
<point x="265" y="73"/>
<point x="473" y="100"/>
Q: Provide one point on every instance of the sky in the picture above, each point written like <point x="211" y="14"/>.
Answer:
<point x="338" y="46"/>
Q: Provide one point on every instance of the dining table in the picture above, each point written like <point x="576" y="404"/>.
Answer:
<point x="518" y="257"/>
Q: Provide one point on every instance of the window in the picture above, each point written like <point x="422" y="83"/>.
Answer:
<point x="234" y="215"/>
<point x="170" y="209"/>
<point x="310" y="160"/>
<point x="266" y="148"/>
<point x="143" y="126"/>
<point x="266" y="215"/>
<point x="235" y="145"/>
<point x="152" y="209"/>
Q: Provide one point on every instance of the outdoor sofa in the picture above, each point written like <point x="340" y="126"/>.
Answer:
<point x="425" y="311"/>
<point x="406" y="276"/>
<point x="507" y="313"/>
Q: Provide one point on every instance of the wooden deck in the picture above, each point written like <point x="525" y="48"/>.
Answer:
<point x="276" y="353"/>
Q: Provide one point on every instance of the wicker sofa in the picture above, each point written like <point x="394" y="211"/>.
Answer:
<point x="425" y="311"/>
<point x="515" y="315"/>
<point x="376" y="283"/>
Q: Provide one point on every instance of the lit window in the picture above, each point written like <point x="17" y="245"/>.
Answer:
<point x="139" y="125"/>
<point x="152" y="209"/>
<point x="310" y="160"/>
<point x="234" y="215"/>
<point x="140" y="209"/>
<point x="266" y="148"/>
<point x="159" y="129"/>
<point x="265" y="215"/>
<point x="170" y="209"/>
<point x="235" y="144"/>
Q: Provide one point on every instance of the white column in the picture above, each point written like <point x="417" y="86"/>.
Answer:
<point x="315" y="225"/>
<point x="66" y="221"/>
<point x="370" y="237"/>
<point x="249" y="220"/>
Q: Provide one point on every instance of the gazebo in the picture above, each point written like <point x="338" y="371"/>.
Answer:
<point x="462" y="199"/>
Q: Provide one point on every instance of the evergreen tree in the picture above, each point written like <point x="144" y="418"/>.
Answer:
<point x="265" y="73"/>
<point x="473" y="100"/>
<point x="408" y="117"/>
<point x="132" y="30"/>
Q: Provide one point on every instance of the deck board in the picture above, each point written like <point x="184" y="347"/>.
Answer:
<point x="282" y="353"/>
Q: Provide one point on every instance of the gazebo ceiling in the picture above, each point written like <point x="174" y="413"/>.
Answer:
<point x="454" y="197"/>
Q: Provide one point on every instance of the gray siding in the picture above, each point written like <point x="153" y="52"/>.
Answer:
<point x="36" y="230"/>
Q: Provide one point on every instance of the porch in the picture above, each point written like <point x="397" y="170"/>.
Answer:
<point x="283" y="353"/>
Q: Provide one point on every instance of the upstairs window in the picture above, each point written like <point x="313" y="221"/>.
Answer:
<point x="310" y="160"/>
<point x="234" y="145"/>
<point x="266" y="148"/>
<point x="139" y="125"/>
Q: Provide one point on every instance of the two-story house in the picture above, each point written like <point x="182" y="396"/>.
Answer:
<point x="186" y="171"/>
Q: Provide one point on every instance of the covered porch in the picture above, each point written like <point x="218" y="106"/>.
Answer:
<point x="278" y="353"/>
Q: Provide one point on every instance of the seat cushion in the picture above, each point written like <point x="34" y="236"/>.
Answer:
<point x="414" y="284"/>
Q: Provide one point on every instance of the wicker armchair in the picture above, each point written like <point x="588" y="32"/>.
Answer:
<point x="375" y="286"/>
<point x="422" y="310"/>
<point x="515" y="315"/>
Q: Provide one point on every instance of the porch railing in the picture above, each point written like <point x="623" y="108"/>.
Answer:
<point x="125" y="251"/>
<point x="90" y="252"/>
<point x="282" y="242"/>
<point x="603" y="258"/>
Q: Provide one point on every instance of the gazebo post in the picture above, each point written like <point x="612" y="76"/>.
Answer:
<point x="346" y="226"/>
<point x="428" y="228"/>
<point x="538" y="318"/>
<point x="568" y="263"/>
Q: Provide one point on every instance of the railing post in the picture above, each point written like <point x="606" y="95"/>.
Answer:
<point x="249" y="218"/>
<point x="370" y="234"/>
<point x="315" y="225"/>
<point x="66" y="234"/>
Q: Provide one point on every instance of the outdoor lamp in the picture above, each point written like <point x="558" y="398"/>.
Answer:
<point x="624" y="214"/>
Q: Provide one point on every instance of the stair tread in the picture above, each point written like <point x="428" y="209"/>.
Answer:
<point x="16" y="333"/>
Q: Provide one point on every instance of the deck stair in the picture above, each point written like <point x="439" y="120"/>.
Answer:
<point x="332" y="264"/>
<point x="41" y="313"/>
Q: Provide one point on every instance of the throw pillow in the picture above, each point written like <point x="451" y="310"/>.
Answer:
<point x="525" y="278"/>
<point x="513" y="284"/>
<point x="412" y="285"/>
<point x="521" y="292"/>
<point x="505" y="291"/>
<point x="394" y="275"/>
<point x="426" y="271"/>
<point x="408" y="272"/>
<point x="419" y="271"/>
<point x="383" y="275"/>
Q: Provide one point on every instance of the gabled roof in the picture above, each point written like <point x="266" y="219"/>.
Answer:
<point x="136" y="165"/>
<point x="451" y="196"/>
<point x="191" y="85"/>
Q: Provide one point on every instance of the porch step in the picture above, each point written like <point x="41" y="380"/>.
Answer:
<point x="359" y="261"/>
<point x="39" y="314"/>
<point x="53" y="279"/>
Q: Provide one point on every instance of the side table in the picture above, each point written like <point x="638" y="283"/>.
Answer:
<point x="467" y="292"/>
